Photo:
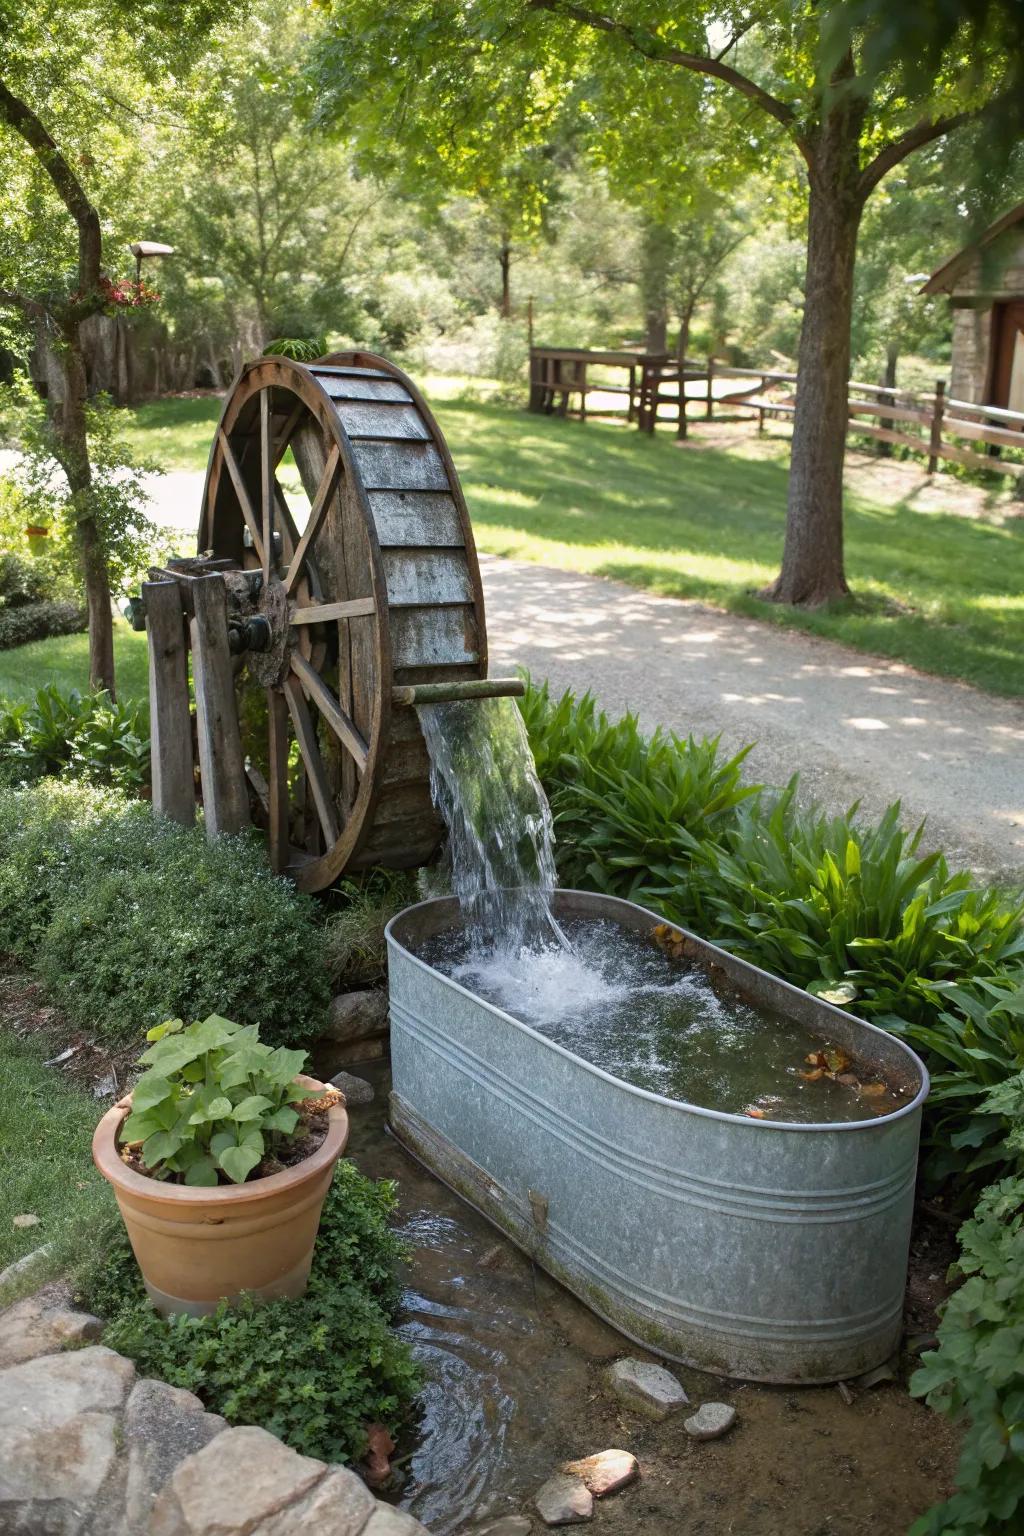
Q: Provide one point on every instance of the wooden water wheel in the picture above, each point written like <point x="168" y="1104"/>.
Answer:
<point x="334" y="519"/>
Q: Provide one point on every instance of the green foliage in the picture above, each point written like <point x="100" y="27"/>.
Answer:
<point x="130" y="919"/>
<point x="86" y="737"/>
<point x="39" y="621"/>
<point x="213" y="1100"/>
<point x="300" y="349"/>
<point x="977" y="1371"/>
<point x="829" y="903"/>
<point x="315" y="1371"/>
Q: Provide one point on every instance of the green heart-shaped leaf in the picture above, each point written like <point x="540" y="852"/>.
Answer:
<point x="238" y="1162"/>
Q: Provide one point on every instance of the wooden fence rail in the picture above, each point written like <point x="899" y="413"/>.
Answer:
<point x="558" y="375"/>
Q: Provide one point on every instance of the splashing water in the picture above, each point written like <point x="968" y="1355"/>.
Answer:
<point x="500" y="836"/>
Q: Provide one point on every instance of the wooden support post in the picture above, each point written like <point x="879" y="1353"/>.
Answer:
<point x="935" y="445"/>
<point x="760" y="409"/>
<point x="170" y="726"/>
<point x="221" y="768"/>
<point x="709" y="409"/>
<point x="631" y="413"/>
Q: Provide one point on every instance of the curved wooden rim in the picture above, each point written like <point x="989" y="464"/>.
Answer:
<point x="283" y="373"/>
<point x="117" y="1173"/>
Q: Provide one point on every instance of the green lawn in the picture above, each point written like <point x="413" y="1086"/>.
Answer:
<point x="46" y="1127"/>
<point x="65" y="662"/>
<point x="941" y="592"/>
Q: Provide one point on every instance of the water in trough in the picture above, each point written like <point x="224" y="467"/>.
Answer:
<point x="629" y="1005"/>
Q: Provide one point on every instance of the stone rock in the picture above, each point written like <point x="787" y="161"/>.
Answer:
<point x="162" y="1426"/>
<point x="356" y="1089"/>
<point x="16" y="1272"/>
<point x="340" y="1505"/>
<point x="606" y="1472"/>
<point x="357" y="1016"/>
<point x="41" y="1325"/>
<point x="26" y="1219"/>
<point x="242" y="1478"/>
<point x="564" y="1500"/>
<point x="388" y="1521"/>
<point x="59" y="1437"/>
<point x="649" y="1388"/>
<point x="710" y="1421"/>
<point x="507" y="1525"/>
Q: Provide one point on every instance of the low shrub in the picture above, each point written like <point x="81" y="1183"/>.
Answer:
<point x="85" y="736"/>
<point x="977" y="1372"/>
<point x="830" y="903"/>
<point x="316" y="1371"/>
<point x="39" y="621"/>
<point x="130" y="919"/>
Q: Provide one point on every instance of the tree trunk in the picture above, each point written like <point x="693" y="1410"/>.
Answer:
<point x="505" y="262"/>
<point x="657" y="251"/>
<point x="74" y="457"/>
<point x="812" y="562"/>
<point x="682" y="350"/>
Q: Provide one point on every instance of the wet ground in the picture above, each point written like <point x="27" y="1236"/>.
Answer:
<point x="514" y="1368"/>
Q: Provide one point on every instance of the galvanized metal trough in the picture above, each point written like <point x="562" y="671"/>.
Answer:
<point x="749" y="1248"/>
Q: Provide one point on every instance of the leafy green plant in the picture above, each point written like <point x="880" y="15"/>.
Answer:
<point x="214" y="1100"/>
<point x="977" y="1372"/>
<point x="130" y="919"/>
<point x="86" y="736"/>
<point x="317" y="1370"/>
<point x="22" y="581"/>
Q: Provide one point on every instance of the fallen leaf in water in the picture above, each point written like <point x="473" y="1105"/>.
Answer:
<point x="754" y="1113"/>
<point x="873" y="1090"/>
<point x="837" y="1060"/>
<point x="812" y="1077"/>
<point x="848" y="1079"/>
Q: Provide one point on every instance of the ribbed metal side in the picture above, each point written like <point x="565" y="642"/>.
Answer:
<point x="749" y="1248"/>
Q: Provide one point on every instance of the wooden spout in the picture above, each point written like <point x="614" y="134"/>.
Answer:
<point x="446" y="693"/>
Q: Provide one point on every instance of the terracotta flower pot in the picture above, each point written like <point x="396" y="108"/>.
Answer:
<point x="195" y="1246"/>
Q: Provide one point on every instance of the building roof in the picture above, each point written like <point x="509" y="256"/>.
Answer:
<point x="944" y="278"/>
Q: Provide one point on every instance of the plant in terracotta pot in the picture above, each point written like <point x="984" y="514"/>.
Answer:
<point x="220" y="1159"/>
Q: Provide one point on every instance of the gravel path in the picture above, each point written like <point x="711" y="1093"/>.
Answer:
<point x="855" y="727"/>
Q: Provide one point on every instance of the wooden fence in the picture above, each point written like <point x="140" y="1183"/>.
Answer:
<point x="934" y="425"/>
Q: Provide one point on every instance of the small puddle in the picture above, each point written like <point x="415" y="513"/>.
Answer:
<point x="513" y="1365"/>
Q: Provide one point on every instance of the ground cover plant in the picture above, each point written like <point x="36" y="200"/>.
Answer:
<point x="705" y="523"/>
<point x="46" y="1126"/>
<point x="129" y="919"/>
<point x="317" y="1371"/>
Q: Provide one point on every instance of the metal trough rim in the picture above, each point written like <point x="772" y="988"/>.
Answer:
<point x="449" y="905"/>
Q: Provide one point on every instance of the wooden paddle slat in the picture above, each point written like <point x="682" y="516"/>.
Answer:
<point x="400" y="466"/>
<point x="266" y="484"/>
<point x="277" y="793"/>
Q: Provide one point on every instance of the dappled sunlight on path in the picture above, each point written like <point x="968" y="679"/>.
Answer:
<point x="853" y="726"/>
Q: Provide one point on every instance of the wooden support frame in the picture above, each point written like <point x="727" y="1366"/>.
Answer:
<point x="173" y="772"/>
<point x="221" y="765"/>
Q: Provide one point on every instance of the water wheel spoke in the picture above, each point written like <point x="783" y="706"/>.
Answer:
<point x="277" y="790"/>
<point x="331" y="710"/>
<point x="242" y="493"/>
<point x="288" y="431"/>
<point x="268" y="485"/>
<point x="323" y="613"/>
<point x="325" y="490"/>
<point x="316" y="778"/>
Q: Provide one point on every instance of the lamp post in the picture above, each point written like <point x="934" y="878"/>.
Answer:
<point x="142" y="250"/>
